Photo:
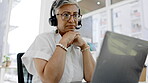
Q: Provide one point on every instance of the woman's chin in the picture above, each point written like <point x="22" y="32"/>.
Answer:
<point x="70" y="29"/>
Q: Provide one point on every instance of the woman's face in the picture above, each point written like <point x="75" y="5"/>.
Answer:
<point x="66" y="17"/>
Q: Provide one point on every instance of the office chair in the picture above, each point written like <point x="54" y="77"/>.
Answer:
<point x="23" y="75"/>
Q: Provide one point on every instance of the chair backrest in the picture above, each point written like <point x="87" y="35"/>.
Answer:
<point x="23" y="75"/>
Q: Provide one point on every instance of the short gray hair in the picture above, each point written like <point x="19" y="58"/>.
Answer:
<point x="58" y="3"/>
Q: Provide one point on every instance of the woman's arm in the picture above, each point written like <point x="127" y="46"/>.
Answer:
<point x="88" y="63"/>
<point x="51" y="71"/>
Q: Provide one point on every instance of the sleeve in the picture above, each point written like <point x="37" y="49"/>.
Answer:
<point x="40" y="48"/>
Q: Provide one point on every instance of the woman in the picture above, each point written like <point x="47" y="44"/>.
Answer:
<point x="60" y="56"/>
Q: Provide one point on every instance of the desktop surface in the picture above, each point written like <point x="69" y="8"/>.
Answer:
<point x="79" y="82"/>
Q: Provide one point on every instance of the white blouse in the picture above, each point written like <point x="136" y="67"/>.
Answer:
<point x="43" y="47"/>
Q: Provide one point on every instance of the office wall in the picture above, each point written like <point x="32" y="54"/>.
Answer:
<point x="4" y="18"/>
<point x="86" y="29"/>
<point x="145" y="18"/>
<point x="44" y="16"/>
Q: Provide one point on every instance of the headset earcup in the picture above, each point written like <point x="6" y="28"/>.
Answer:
<point x="53" y="21"/>
<point x="79" y="23"/>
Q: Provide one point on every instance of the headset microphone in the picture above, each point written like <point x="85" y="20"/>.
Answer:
<point x="78" y="27"/>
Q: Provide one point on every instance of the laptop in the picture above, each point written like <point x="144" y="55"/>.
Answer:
<point x="121" y="59"/>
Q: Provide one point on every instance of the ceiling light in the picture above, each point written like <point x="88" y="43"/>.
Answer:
<point x="79" y="0"/>
<point x="1" y="1"/>
<point x="98" y="3"/>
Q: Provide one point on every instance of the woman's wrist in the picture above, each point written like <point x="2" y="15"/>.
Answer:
<point x="62" y="46"/>
<point x="84" y="47"/>
<point x="63" y="43"/>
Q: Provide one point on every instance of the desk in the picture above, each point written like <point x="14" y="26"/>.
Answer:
<point x="10" y="67"/>
<point x="79" y="82"/>
<point x="90" y="82"/>
<point x="143" y="75"/>
<point x="5" y="71"/>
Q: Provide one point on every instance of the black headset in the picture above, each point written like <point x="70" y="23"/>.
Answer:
<point x="53" y="20"/>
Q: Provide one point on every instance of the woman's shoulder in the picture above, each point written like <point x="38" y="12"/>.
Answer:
<point x="47" y="34"/>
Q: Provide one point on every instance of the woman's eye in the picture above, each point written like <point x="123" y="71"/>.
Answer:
<point x="75" y="15"/>
<point x="66" y="15"/>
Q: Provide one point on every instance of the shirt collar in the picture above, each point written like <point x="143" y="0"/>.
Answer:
<point x="58" y="37"/>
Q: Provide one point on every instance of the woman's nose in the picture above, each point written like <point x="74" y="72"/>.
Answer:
<point x="71" y="19"/>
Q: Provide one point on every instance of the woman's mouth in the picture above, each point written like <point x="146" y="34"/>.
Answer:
<point x="71" y="27"/>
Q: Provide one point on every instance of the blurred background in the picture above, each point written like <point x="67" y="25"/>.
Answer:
<point x="22" y="20"/>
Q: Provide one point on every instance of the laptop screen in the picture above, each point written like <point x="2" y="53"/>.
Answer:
<point x="121" y="59"/>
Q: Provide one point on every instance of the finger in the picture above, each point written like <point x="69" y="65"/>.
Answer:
<point x="77" y="34"/>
